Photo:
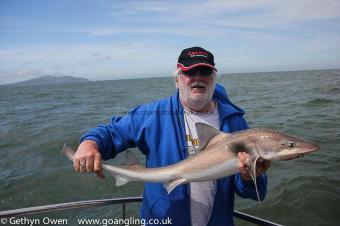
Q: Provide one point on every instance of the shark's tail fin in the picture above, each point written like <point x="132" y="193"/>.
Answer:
<point x="66" y="150"/>
<point x="130" y="162"/>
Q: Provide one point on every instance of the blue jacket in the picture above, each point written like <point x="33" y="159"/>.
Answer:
<point x="157" y="129"/>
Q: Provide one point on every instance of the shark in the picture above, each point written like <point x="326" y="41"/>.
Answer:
<point x="217" y="157"/>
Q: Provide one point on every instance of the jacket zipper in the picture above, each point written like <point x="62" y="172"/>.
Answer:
<point x="216" y="181"/>
<point x="184" y="148"/>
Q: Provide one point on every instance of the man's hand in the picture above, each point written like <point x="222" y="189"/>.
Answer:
<point x="88" y="159"/>
<point x="261" y="166"/>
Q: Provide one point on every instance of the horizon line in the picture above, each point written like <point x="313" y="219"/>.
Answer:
<point x="166" y="76"/>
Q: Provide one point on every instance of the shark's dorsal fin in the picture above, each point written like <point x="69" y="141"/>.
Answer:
<point x="205" y="132"/>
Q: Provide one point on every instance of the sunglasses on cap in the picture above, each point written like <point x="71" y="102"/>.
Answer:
<point x="204" y="71"/>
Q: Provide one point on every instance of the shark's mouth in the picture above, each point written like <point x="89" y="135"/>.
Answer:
<point x="291" y="157"/>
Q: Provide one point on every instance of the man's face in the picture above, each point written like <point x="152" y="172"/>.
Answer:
<point x="196" y="91"/>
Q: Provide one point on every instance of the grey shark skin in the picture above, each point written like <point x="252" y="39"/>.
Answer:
<point x="217" y="157"/>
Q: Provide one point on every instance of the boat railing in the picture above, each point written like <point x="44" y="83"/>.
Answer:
<point x="102" y="202"/>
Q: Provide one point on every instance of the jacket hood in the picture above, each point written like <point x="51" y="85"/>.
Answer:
<point x="226" y="107"/>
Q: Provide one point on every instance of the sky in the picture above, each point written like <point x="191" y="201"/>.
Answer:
<point x="108" y="39"/>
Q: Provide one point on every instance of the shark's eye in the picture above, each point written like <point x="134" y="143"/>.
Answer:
<point x="291" y="144"/>
<point x="287" y="144"/>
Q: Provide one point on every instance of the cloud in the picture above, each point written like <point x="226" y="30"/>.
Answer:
<point x="84" y="60"/>
<point x="252" y="14"/>
<point x="261" y="15"/>
<point x="132" y="37"/>
<point x="272" y="21"/>
<point x="29" y="62"/>
<point x="308" y="10"/>
<point x="98" y="56"/>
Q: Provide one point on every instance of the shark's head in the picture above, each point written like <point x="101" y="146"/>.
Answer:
<point x="281" y="146"/>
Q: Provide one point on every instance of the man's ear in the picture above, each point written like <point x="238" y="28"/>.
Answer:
<point x="176" y="81"/>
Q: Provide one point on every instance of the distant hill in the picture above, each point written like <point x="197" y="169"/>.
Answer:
<point x="49" y="79"/>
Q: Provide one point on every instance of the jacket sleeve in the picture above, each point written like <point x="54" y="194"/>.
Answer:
<point x="122" y="133"/>
<point x="246" y="189"/>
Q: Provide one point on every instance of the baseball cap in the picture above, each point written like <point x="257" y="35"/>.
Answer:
<point x="195" y="57"/>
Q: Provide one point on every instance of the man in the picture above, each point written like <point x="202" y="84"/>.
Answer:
<point x="165" y="132"/>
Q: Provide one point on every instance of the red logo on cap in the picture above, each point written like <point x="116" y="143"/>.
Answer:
<point x="197" y="53"/>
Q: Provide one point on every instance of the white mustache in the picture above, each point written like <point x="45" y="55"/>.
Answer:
<point x="200" y="84"/>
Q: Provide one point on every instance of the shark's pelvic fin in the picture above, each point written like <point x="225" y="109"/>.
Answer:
<point x="121" y="180"/>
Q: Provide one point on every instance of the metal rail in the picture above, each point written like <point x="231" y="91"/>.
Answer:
<point x="253" y="219"/>
<point x="103" y="202"/>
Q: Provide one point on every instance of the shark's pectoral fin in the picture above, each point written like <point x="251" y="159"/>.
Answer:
<point x="173" y="184"/>
<point x="121" y="180"/>
<point x="252" y="173"/>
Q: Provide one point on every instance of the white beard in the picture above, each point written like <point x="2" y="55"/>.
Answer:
<point x="196" y="102"/>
